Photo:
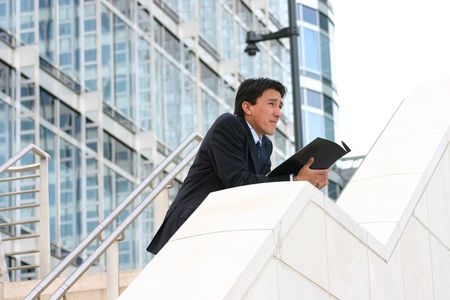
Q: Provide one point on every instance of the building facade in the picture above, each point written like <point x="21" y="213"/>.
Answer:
<point x="107" y="88"/>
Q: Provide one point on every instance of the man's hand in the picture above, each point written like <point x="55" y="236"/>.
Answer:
<point x="318" y="178"/>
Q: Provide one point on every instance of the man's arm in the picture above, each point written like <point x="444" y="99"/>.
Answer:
<point x="227" y="152"/>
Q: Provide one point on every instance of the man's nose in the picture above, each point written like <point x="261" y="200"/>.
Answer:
<point x="277" y="112"/>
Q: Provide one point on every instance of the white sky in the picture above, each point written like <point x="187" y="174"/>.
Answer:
<point x="382" y="48"/>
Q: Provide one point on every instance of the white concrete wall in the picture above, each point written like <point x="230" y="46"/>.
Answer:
<point x="388" y="237"/>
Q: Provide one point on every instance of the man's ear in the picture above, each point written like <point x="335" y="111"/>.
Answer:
<point x="246" y="107"/>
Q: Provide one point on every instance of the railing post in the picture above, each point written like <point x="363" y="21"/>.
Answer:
<point x="44" y="224"/>
<point x="112" y="271"/>
<point x="160" y="207"/>
<point x="3" y="267"/>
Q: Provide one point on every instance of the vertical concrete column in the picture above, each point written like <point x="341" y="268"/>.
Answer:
<point x="44" y="223"/>
<point x="160" y="207"/>
<point x="112" y="271"/>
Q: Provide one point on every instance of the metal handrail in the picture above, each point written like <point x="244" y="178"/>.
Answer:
<point x="45" y="282"/>
<point x="26" y="168"/>
<point x="44" y="229"/>
<point x="19" y="178"/>
<point x="121" y="228"/>
<point x="31" y="147"/>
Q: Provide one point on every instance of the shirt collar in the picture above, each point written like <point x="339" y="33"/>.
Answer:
<point x="254" y="134"/>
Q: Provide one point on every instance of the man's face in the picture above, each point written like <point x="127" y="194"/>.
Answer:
<point x="264" y="115"/>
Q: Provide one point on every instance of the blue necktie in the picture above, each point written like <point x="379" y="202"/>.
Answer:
<point x="259" y="146"/>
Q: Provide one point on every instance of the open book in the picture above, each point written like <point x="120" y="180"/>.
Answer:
<point x="325" y="153"/>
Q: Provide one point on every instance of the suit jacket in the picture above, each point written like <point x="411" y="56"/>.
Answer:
<point x="228" y="157"/>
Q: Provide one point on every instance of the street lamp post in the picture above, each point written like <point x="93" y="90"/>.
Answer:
<point x="292" y="32"/>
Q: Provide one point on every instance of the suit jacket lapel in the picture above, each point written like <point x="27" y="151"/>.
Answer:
<point x="253" y="151"/>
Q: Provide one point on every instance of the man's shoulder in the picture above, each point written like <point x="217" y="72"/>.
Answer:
<point x="228" y="126"/>
<point x="228" y="119"/>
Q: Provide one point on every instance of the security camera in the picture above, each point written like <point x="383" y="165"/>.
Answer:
<point x="251" y="49"/>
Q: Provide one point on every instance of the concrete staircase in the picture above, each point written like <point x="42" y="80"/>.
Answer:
<point x="387" y="237"/>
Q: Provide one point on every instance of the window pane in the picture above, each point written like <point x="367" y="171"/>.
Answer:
<point x="325" y="53"/>
<point x="315" y="126"/>
<point x="328" y="104"/>
<point x="309" y="15"/>
<point x="323" y="22"/>
<point x="314" y="98"/>
<point x="47" y="109"/>
<point x="311" y="44"/>
<point x="329" y="129"/>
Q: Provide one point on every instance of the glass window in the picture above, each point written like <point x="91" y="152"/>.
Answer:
<point x="7" y="76"/>
<point x="329" y="129"/>
<point x="328" y="105"/>
<point x="311" y="51"/>
<point x="208" y="21"/>
<point x="144" y="102"/>
<point x="124" y="157"/>
<point x="244" y="13"/>
<point x="108" y="190"/>
<point x="90" y="41"/>
<point x="91" y="134"/>
<point x="209" y="77"/>
<point x="6" y="131"/>
<point x="26" y="5"/>
<point x="172" y="45"/>
<point x="158" y="32"/>
<point x="333" y="190"/>
<point x="323" y="20"/>
<point x="89" y="10"/>
<point x="124" y="76"/>
<point x="91" y="85"/>
<point x="90" y="25"/>
<point x="315" y="126"/>
<point x="70" y="188"/>
<point x="125" y="6"/>
<point x="106" y="20"/>
<point x="48" y="142"/>
<point x="314" y="98"/>
<point x="210" y="110"/>
<point x="90" y="55"/>
<point x="65" y="59"/>
<point x="70" y="121"/>
<point x="47" y="106"/>
<point x="189" y="60"/>
<point x="309" y="15"/>
<point x="69" y="34"/>
<point x="47" y="31"/>
<point x="143" y="18"/>
<point x="325" y="56"/>
<point x="280" y="142"/>
<point x="27" y="38"/>
<point x="27" y="94"/>
<point x="107" y="145"/>
<point x="64" y="29"/>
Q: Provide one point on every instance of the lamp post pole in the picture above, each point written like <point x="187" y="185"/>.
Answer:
<point x="292" y="33"/>
<point x="295" y="76"/>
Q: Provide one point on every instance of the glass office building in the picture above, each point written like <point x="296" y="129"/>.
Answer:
<point x="108" y="87"/>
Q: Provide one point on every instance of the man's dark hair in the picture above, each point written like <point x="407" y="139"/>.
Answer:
<point x="252" y="88"/>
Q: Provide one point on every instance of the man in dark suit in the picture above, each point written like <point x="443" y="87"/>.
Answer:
<point x="235" y="152"/>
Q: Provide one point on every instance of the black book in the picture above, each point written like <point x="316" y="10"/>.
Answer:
<point x="325" y="153"/>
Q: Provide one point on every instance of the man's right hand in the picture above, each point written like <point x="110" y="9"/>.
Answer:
<point x="318" y="178"/>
